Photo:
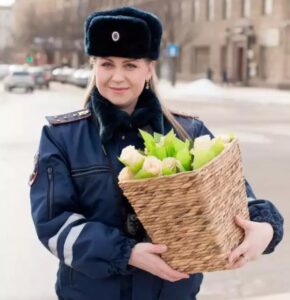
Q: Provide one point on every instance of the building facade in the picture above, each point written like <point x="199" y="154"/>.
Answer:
<point x="5" y="26"/>
<point x="245" y="41"/>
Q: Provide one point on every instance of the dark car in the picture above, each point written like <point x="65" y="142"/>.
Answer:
<point x="40" y="77"/>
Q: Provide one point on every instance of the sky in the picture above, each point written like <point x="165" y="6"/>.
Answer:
<point x="6" y="2"/>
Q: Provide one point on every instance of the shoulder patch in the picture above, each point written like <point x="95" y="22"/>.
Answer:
<point x="34" y="173"/>
<point x="182" y="114"/>
<point x="69" y="117"/>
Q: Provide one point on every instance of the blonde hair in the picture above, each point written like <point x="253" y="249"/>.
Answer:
<point x="153" y="86"/>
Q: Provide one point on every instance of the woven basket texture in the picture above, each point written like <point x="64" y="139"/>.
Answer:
<point x="193" y="212"/>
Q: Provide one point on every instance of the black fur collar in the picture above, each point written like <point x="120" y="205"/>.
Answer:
<point x="111" y="119"/>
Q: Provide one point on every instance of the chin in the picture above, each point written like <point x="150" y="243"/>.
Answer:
<point x="118" y="101"/>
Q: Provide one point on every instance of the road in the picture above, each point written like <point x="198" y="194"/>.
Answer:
<point x="28" y="270"/>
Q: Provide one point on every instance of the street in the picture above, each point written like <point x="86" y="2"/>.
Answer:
<point x="28" y="269"/>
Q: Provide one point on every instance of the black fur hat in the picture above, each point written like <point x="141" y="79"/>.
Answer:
<point x="124" y="32"/>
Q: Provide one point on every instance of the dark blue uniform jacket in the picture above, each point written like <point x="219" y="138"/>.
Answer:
<point x="80" y="214"/>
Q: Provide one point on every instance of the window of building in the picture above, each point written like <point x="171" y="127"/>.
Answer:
<point x="191" y="10"/>
<point x="227" y="9"/>
<point x="268" y="7"/>
<point x="201" y="56"/>
<point x="176" y="10"/>
<point x="287" y="40"/>
<point x="223" y="58"/>
<point x="196" y="10"/>
<point x="246" y="8"/>
<point x="210" y="10"/>
<point x="263" y="62"/>
<point x="185" y="10"/>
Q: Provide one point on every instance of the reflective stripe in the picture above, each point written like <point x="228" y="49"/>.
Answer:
<point x="52" y="242"/>
<point x="251" y="199"/>
<point x="69" y="242"/>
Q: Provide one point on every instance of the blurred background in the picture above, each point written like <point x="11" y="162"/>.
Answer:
<point x="227" y="61"/>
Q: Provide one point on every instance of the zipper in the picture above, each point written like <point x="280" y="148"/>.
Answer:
<point x="50" y="192"/>
<point x="90" y="170"/>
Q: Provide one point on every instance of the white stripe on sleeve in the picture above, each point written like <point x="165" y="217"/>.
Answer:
<point x="52" y="242"/>
<point x="69" y="243"/>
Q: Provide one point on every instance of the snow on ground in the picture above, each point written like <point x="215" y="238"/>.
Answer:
<point x="204" y="89"/>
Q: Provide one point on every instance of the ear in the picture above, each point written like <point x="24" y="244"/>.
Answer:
<point x="151" y="68"/>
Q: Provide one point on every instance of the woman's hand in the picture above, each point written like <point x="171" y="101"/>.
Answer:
<point x="257" y="238"/>
<point x="145" y="256"/>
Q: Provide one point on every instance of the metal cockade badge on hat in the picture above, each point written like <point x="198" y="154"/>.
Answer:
<point x="115" y="36"/>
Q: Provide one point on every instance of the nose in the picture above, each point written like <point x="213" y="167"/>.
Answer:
<point x="118" y="75"/>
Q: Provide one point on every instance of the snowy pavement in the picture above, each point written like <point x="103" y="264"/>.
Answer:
<point x="234" y="101"/>
<point x="206" y="90"/>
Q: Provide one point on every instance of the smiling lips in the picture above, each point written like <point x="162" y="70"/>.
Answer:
<point x="119" y="90"/>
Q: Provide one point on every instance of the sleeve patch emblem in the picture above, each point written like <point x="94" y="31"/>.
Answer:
<point x="34" y="173"/>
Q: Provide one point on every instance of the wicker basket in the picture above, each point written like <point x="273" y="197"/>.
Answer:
<point x="192" y="212"/>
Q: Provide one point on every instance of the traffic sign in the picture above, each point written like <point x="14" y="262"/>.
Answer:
<point x="29" y="59"/>
<point x="172" y="50"/>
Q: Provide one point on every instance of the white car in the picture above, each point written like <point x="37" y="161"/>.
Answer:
<point x="19" y="79"/>
<point x="4" y="70"/>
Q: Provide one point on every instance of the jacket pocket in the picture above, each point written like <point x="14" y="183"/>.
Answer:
<point x="79" y="172"/>
<point x="50" y="192"/>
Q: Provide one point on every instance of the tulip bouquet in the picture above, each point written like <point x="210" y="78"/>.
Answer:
<point x="168" y="155"/>
<point x="188" y="196"/>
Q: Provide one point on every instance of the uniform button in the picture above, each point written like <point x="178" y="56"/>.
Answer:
<point x="123" y="137"/>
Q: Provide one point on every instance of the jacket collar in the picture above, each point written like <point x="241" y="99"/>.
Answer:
<point x="111" y="119"/>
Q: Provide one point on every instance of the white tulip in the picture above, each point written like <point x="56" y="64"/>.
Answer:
<point x="202" y="142"/>
<point x="224" y="137"/>
<point x="132" y="158"/>
<point x="125" y="174"/>
<point x="152" y="165"/>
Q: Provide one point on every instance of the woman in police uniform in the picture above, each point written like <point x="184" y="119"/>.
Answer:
<point x="78" y="210"/>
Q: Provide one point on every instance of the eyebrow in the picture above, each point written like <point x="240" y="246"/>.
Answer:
<point x="125" y="61"/>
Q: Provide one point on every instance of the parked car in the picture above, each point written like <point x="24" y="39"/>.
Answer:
<point x="39" y="76"/>
<point x="83" y="79"/>
<point x="55" y="74"/>
<point x="4" y="71"/>
<point x="48" y="71"/>
<point x="74" y="76"/>
<point x="62" y="74"/>
<point x="80" y="77"/>
<point x="19" y="79"/>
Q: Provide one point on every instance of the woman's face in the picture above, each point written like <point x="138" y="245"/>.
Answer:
<point x="121" y="80"/>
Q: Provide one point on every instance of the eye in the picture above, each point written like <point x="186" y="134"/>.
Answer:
<point x="131" y="66"/>
<point x="106" y="64"/>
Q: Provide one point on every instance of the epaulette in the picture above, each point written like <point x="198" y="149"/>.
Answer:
<point x="178" y="113"/>
<point x="69" y="117"/>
